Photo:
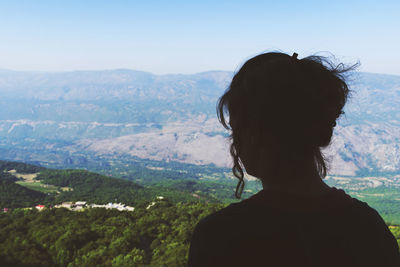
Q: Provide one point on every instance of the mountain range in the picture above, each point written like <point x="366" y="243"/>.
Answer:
<point x="49" y="118"/>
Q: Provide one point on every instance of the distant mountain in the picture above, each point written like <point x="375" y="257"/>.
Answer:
<point x="51" y="117"/>
<point x="115" y="96"/>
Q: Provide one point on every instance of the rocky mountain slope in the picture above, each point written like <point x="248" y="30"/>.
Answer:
<point x="172" y="118"/>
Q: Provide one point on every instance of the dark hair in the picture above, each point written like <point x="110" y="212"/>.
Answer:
<point x="295" y="102"/>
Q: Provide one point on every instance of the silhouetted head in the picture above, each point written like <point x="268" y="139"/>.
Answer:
<point x="282" y="109"/>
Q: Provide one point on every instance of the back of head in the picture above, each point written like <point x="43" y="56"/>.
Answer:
<point x="282" y="104"/>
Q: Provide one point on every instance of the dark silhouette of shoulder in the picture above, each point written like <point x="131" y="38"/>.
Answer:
<point x="250" y="233"/>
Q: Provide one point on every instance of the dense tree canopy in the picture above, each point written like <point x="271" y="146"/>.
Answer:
<point x="13" y="195"/>
<point x="158" y="236"/>
<point x="148" y="236"/>
<point x="19" y="167"/>
<point x="81" y="185"/>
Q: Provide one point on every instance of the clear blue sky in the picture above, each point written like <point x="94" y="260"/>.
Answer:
<point x="193" y="36"/>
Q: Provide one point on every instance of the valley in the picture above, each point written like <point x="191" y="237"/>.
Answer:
<point x="122" y="136"/>
<point x="70" y="118"/>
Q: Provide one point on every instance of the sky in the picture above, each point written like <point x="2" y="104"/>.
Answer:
<point x="194" y="36"/>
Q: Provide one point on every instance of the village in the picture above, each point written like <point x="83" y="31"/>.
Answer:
<point x="82" y="205"/>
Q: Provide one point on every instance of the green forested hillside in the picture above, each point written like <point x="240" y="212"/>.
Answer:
<point x="158" y="236"/>
<point x="144" y="184"/>
<point x="148" y="236"/>
<point x="19" y="167"/>
<point x="93" y="187"/>
<point x="13" y="195"/>
<point x="80" y="185"/>
<point x="96" y="188"/>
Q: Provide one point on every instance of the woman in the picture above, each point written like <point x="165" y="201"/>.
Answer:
<point x="282" y="111"/>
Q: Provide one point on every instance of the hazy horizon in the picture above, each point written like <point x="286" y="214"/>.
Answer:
<point x="152" y="73"/>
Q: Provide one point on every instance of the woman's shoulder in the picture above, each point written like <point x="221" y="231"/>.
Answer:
<point x="360" y="227"/>
<point x="232" y="210"/>
<point x="339" y="205"/>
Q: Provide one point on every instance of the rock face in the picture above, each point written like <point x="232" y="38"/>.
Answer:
<point x="365" y="148"/>
<point x="172" y="118"/>
<point x="188" y="142"/>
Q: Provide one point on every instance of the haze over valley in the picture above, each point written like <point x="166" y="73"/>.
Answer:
<point x="68" y="117"/>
